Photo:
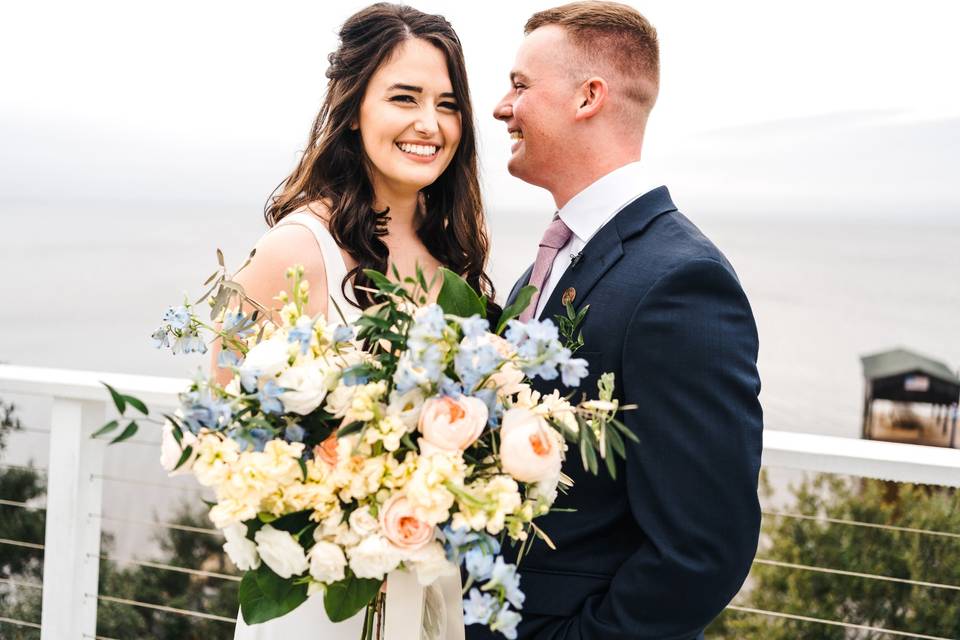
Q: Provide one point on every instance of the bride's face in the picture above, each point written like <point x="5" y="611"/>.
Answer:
<point x="409" y="119"/>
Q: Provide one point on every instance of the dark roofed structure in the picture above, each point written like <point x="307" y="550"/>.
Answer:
<point x="903" y="376"/>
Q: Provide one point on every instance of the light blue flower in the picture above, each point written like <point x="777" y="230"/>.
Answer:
<point x="474" y="326"/>
<point x="302" y="332"/>
<point x="201" y="409"/>
<point x="344" y="333"/>
<point x="428" y="326"/>
<point x="456" y="540"/>
<point x="573" y="371"/>
<point x="249" y="379"/>
<point x="478" y="608"/>
<point x="161" y="338"/>
<point x="506" y="622"/>
<point x="238" y="324"/>
<point x="177" y="317"/>
<point x="294" y="433"/>
<point x="352" y="376"/>
<point x="188" y="341"/>
<point x="228" y="359"/>
<point x="505" y="576"/>
<point x="542" y="330"/>
<point x="258" y="438"/>
<point x="418" y="369"/>
<point x="474" y="362"/>
<point x="269" y="397"/>
<point x="494" y="406"/>
<point x="479" y="563"/>
<point x="450" y="387"/>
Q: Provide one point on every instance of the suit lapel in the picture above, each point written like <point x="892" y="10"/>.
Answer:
<point x="605" y="249"/>
<point x="521" y="283"/>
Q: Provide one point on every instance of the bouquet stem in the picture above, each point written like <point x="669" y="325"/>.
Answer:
<point x="374" y="619"/>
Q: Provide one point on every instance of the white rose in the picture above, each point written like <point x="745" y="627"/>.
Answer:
<point x="374" y="557"/>
<point x="281" y="552"/>
<point x="170" y="451"/>
<point x="530" y="449"/>
<point x="407" y="407"/>
<point x="362" y="522"/>
<point x="306" y="387"/>
<point x="241" y="550"/>
<point x="327" y="562"/>
<point x="268" y="358"/>
<point x="430" y="562"/>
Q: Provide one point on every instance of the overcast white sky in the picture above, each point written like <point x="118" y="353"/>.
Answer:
<point x="851" y="104"/>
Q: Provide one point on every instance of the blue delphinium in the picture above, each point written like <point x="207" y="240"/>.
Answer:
<point x="189" y="341"/>
<point x="494" y="406"/>
<point x="176" y="317"/>
<point x="418" y="368"/>
<point x="237" y="324"/>
<point x="505" y="575"/>
<point x="161" y="338"/>
<point x="428" y="326"/>
<point x="475" y="361"/>
<point x="294" y="433"/>
<point x="456" y="541"/>
<point x="506" y="622"/>
<point x="478" y="608"/>
<point x="269" y="397"/>
<point x="541" y="353"/>
<point x="227" y="359"/>
<point x="474" y="326"/>
<point x="203" y="410"/>
<point x="573" y="371"/>
<point x="302" y="332"/>
<point x="479" y="563"/>
<point x="344" y="333"/>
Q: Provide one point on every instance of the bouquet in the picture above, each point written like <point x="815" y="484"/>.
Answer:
<point x="409" y="438"/>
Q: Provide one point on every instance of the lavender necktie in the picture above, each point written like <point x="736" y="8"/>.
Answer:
<point x="554" y="238"/>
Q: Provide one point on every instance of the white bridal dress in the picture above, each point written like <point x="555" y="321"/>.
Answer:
<point x="443" y="613"/>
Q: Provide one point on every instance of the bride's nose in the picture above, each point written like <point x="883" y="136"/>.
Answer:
<point x="426" y="124"/>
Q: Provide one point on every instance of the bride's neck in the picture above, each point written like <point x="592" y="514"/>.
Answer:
<point x="403" y="212"/>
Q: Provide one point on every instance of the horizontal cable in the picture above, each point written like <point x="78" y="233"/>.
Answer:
<point x="166" y="567"/>
<point x="17" y="583"/>
<point x="839" y="572"/>
<point x="32" y="430"/>
<point x="157" y="523"/>
<point x="160" y="607"/>
<point x="90" y="637"/>
<point x="20" y="623"/>
<point x="20" y="543"/>
<point x="21" y="505"/>
<point x="856" y="523"/>
<point x="836" y="623"/>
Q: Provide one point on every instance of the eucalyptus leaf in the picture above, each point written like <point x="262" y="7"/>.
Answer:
<point x="521" y="302"/>
<point x="127" y="433"/>
<point x="348" y="429"/>
<point x="107" y="428"/>
<point x="344" y="599"/>
<point x="118" y="399"/>
<point x="137" y="404"/>
<point x="458" y="298"/>
<point x="184" y="457"/>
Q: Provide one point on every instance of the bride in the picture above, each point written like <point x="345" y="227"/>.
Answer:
<point x="389" y="177"/>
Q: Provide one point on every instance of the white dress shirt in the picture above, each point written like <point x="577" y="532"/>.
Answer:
<point x="588" y="211"/>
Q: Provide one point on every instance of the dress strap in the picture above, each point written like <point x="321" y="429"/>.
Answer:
<point x="333" y="262"/>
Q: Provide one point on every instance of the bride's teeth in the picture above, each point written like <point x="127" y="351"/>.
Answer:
<point x="419" y="149"/>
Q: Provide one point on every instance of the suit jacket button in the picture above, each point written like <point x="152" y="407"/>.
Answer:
<point x="568" y="296"/>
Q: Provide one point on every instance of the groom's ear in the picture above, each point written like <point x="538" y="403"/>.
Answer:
<point x="592" y="95"/>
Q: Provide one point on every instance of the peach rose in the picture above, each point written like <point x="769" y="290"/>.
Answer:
<point x="529" y="447"/>
<point x="401" y="527"/>
<point x="452" y="424"/>
<point x="327" y="450"/>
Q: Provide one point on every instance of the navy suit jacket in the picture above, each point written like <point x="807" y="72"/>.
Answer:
<point x="659" y="552"/>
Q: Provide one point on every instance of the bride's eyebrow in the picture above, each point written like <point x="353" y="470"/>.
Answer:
<point x="409" y="87"/>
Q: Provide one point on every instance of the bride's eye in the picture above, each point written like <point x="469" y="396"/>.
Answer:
<point x="404" y="98"/>
<point x="452" y="106"/>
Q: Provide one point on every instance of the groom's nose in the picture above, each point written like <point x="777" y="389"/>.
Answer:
<point x="504" y="109"/>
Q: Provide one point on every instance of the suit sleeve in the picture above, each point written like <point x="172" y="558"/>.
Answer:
<point x="689" y="364"/>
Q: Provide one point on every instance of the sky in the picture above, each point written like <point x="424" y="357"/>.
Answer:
<point x="765" y="107"/>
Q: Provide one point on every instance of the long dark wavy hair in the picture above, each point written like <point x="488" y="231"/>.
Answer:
<point x="333" y="167"/>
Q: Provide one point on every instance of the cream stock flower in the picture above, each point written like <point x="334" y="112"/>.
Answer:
<point x="407" y="407"/>
<point x="491" y="501"/>
<point x="215" y="455"/>
<point x="229" y="512"/>
<point x="530" y="449"/>
<point x="427" y="488"/>
<point x="453" y="423"/>
<point x="387" y="430"/>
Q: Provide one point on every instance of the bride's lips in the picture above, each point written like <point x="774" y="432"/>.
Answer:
<point x="415" y="151"/>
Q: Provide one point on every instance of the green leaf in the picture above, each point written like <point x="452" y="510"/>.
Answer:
<point x="118" y="399"/>
<point x="303" y="468"/>
<point x="615" y="441"/>
<point x="264" y="595"/>
<point x="344" y="599"/>
<point x="184" y="457"/>
<point x="107" y="428"/>
<point x="382" y="282"/>
<point x="348" y="429"/>
<point x="458" y="298"/>
<point x="137" y="404"/>
<point x="127" y="433"/>
<point x="521" y="302"/>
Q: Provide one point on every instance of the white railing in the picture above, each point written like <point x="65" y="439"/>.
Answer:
<point x="75" y="474"/>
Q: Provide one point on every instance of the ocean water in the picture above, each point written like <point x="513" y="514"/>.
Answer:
<point x="83" y="288"/>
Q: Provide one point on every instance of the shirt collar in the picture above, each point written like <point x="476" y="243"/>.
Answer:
<point x="593" y="207"/>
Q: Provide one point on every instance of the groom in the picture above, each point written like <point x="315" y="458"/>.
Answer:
<point x="659" y="552"/>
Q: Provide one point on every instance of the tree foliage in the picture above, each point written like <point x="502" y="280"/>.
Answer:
<point x="857" y="600"/>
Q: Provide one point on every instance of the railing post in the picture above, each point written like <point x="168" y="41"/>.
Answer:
<point x="72" y="542"/>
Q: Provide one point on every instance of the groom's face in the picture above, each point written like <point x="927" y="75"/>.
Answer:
<point x="540" y="106"/>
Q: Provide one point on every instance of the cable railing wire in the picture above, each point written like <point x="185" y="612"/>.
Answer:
<point x="158" y="523"/>
<point x="21" y="505"/>
<point x="21" y="543"/>
<point x="164" y="608"/>
<point x="857" y="523"/>
<point x="20" y="583"/>
<point x="19" y="623"/>
<point x="166" y="567"/>
<point x="855" y="574"/>
<point x="836" y="623"/>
